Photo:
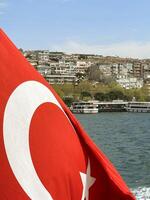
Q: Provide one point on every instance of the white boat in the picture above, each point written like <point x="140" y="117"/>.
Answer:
<point x="138" y="107"/>
<point x="112" y="106"/>
<point x="84" y="107"/>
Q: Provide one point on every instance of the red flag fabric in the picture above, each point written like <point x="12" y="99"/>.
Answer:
<point x="45" y="154"/>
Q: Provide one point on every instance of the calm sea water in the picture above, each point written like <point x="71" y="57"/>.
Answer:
<point x="125" y="139"/>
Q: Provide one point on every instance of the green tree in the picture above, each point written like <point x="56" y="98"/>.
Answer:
<point x="85" y="95"/>
<point x="83" y="86"/>
<point x="68" y="89"/>
<point x="100" y="96"/>
<point x="96" y="74"/>
<point x="68" y="100"/>
<point x="116" y="94"/>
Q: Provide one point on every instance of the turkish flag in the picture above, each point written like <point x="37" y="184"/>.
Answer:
<point x="45" y="154"/>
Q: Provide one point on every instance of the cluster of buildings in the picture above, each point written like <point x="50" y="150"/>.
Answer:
<point x="57" y="67"/>
<point x="129" y="74"/>
<point x="60" y="68"/>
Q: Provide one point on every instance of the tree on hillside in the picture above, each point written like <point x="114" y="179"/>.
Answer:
<point x="83" y="86"/>
<point x="95" y="74"/>
<point x="100" y="96"/>
<point x="116" y="94"/>
<point x="68" y="89"/>
<point x="85" y="95"/>
<point x="68" y="100"/>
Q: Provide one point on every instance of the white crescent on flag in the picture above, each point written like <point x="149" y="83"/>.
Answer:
<point x="17" y="144"/>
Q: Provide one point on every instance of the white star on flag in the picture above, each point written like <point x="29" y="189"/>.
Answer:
<point x="87" y="181"/>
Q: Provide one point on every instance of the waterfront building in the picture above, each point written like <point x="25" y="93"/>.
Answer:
<point x="129" y="67"/>
<point x="43" y="57"/>
<point x="58" y="72"/>
<point x="63" y="67"/>
<point x="44" y="69"/>
<point x="60" y="78"/>
<point x="56" y="56"/>
<point x="82" y="66"/>
<point x="122" y="71"/>
<point x="138" y="70"/>
<point x="146" y="68"/>
<point x="147" y="84"/>
<point x="129" y="83"/>
<point x="114" y="70"/>
<point x="119" y="70"/>
<point x="106" y="69"/>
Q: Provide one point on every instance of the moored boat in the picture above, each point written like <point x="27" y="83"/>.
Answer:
<point x="143" y="107"/>
<point x="84" y="107"/>
<point x="113" y="106"/>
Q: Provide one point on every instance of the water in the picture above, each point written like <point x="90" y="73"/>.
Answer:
<point x="125" y="139"/>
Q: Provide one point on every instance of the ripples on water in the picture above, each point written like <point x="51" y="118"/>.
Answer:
<point x="125" y="139"/>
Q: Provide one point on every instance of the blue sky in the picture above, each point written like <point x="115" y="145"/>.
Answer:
<point x="107" y="27"/>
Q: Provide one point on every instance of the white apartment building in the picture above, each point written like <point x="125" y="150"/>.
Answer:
<point x="121" y="71"/>
<point x="44" y="69"/>
<point x="129" y="83"/>
<point x="43" y="57"/>
<point x="82" y="66"/>
<point x="60" y="78"/>
<point x="106" y="69"/>
<point x="63" y="67"/>
<point x="146" y="68"/>
<point x="58" y="72"/>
